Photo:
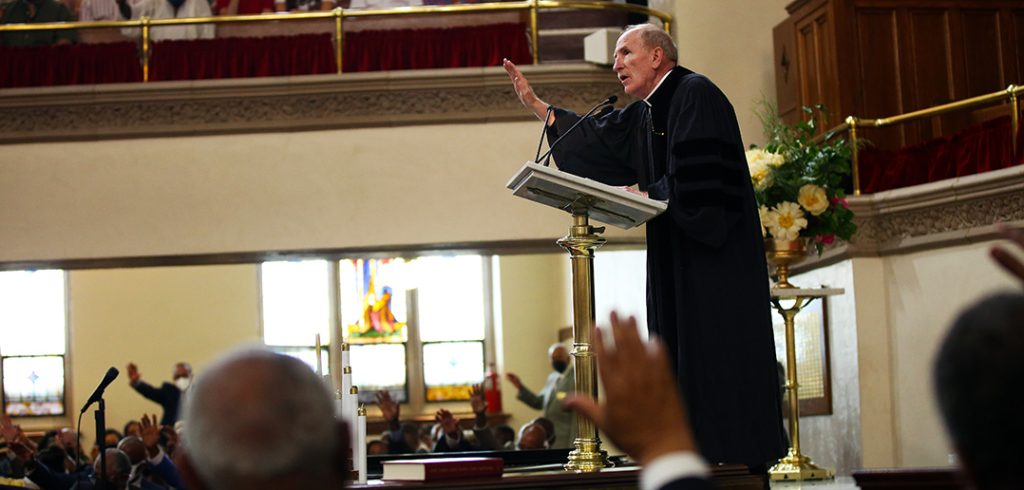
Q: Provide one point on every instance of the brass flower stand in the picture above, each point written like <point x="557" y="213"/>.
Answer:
<point x="796" y="466"/>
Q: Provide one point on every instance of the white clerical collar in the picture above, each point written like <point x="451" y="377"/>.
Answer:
<point x="647" y="99"/>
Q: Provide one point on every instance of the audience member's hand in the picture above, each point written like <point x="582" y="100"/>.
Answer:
<point x="150" y="434"/>
<point x="512" y="378"/>
<point x="476" y="399"/>
<point x="8" y="429"/>
<point x="133" y="373"/>
<point x="638" y="385"/>
<point x="1004" y="257"/>
<point x="449" y="424"/>
<point x="388" y="408"/>
<point x="21" y="452"/>
<point x="172" y="439"/>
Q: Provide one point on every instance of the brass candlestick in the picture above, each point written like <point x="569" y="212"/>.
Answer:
<point x="581" y="242"/>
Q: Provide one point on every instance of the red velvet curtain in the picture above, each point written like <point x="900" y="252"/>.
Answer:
<point x="980" y="148"/>
<point x="73" y="64"/>
<point x="238" y="57"/>
<point x="436" y="48"/>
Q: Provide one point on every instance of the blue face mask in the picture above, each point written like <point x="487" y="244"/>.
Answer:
<point x="176" y="3"/>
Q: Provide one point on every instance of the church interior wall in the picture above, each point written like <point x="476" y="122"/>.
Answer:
<point x="927" y="290"/>
<point x="883" y="336"/>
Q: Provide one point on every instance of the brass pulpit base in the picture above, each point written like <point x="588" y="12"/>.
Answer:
<point x="588" y="457"/>
<point x="796" y="466"/>
<point x="581" y="242"/>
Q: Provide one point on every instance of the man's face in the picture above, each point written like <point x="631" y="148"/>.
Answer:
<point x="636" y="65"/>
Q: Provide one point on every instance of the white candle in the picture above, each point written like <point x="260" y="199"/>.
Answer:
<point x="352" y="417"/>
<point x="319" y="365"/>
<point x="346" y="388"/>
<point x="339" y="405"/>
<point x="359" y="451"/>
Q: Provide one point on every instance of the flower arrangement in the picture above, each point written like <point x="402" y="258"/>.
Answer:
<point x="799" y="180"/>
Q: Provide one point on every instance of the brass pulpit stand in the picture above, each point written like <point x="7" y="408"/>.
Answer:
<point x="796" y="466"/>
<point x="584" y="199"/>
<point x="581" y="242"/>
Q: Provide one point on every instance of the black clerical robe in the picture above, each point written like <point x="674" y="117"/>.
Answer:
<point x="707" y="281"/>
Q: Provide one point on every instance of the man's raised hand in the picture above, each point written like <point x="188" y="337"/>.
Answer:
<point x="524" y="91"/>
<point x="388" y="408"/>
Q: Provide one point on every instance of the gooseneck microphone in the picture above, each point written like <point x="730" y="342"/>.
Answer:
<point x="604" y="107"/>
<point x="96" y="395"/>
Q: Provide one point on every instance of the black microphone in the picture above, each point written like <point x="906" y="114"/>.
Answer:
<point x="604" y="106"/>
<point x="98" y="394"/>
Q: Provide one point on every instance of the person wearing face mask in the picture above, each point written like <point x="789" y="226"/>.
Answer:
<point x="168" y="395"/>
<point x="560" y="384"/>
<point x="168" y="9"/>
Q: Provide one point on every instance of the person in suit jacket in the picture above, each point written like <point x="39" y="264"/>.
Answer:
<point x="168" y="395"/>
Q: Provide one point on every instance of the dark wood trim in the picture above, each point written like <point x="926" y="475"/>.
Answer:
<point x="924" y="478"/>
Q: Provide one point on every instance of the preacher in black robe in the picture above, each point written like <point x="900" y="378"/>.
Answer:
<point x="707" y="281"/>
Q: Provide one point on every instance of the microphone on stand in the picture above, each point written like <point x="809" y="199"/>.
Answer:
<point x="98" y="394"/>
<point x="601" y="109"/>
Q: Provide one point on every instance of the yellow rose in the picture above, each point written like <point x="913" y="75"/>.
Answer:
<point x="761" y="176"/>
<point x="813" y="199"/>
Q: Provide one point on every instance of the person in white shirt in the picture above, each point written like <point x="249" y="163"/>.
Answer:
<point x="169" y="9"/>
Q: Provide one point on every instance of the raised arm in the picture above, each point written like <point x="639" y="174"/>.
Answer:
<point x="525" y="92"/>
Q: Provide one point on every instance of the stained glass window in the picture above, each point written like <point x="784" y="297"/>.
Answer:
<point x="34" y="385"/>
<point x="451" y="368"/>
<point x="32" y="342"/>
<point x="373" y="299"/>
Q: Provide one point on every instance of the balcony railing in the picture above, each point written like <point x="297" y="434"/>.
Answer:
<point x="339" y="15"/>
<point x="1011" y="94"/>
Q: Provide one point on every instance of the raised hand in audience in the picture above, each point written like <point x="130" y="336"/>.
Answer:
<point x="478" y="403"/>
<point x="150" y="434"/>
<point x="449" y="423"/>
<point x="388" y="409"/>
<point x="8" y="429"/>
<point x="171" y="436"/>
<point x="133" y="373"/>
<point x="1004" y="257"/>
<point x="514" y="379"/>
<point x="637" y="383"/>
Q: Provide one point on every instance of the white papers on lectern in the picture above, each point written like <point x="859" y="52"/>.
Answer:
<point x="605" y="203"/>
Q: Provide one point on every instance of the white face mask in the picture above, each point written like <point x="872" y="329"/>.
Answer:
<point x="182" y="383"/>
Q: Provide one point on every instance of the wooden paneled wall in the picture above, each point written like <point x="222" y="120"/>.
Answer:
<point x="877" y="58"/>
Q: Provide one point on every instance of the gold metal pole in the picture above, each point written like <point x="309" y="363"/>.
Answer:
<point x="581" y="242"/>
<point x="534" y="37"/>
<point x="1014" y="119"/>
<point x="338" y="33"/>
<point x="795" y="466"/>
<point x="854" y="154"/>
<point x="145" y="49"/>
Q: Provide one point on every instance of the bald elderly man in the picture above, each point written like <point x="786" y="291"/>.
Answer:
<point x="560" y="383"/>
<point x="260" y="420"/>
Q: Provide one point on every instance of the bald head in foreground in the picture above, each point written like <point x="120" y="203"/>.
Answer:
<point x="257" y="419"/>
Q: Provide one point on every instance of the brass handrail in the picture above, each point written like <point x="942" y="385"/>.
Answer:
<point x="339" y="14"/>
<point x="852" y="123"/>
